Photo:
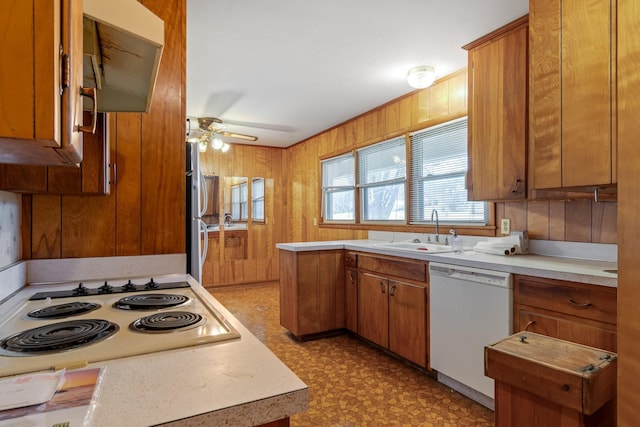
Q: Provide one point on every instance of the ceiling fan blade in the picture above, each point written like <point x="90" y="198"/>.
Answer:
<point x="239" y="136"/>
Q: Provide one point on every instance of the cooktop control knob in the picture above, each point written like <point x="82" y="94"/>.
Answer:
<point x="151" y="284"/>
<point x="81" y="290"/>
<point x="129" y="287"/>
<point x="105" y="289"/>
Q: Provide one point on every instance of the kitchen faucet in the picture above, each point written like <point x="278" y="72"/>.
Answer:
<point x="437" y="224"/>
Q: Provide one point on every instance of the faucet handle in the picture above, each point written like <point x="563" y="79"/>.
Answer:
<point x="453" y="232"/>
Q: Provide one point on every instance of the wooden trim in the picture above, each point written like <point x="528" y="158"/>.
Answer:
<point x="523" y="20"/>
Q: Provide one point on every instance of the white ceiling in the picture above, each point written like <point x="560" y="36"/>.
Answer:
<point x="285" y="70"/>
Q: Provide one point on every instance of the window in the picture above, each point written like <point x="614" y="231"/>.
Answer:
<point x="338" y="188"/>
<point x="239" y="202"/>
<point x="257" y="199"/>
<point x="381" y="178"/>
<point x="438" y="169"/>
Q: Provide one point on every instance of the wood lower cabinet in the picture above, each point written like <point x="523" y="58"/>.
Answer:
<point x="351" y="299"/>
<point x="312" y="292"/>
<point x="498" y="114"/>
<point x="576" y="312"/>
<point x="392" y="313"/>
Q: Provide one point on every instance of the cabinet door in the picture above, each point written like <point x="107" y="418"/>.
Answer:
<point x="351" y="299"/>
<point x="373" y="309"/>
<point x="498" y="115"/>
<point x="41" y="123"/>
<point x="92" y="177"/>
<point x="571" y="93"/>
<point x="408" y="321"/>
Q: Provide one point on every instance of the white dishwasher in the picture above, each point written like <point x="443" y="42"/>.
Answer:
<point x="469" y="309"/>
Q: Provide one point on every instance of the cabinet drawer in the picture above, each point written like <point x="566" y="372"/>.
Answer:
<point x="586" y="301"/>
<point x="394" y="267"/>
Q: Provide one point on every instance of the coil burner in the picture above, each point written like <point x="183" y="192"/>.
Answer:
<point x="169" y="321"/>
<point x="60" y="311"/>
<point x="150" y="301"/>
<point x="60" y="336"/>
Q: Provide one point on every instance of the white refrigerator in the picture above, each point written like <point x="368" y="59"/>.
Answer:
<point x="196" y="230"/>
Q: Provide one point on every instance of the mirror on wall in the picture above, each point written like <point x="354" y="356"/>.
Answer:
<point x="212" y="213"/>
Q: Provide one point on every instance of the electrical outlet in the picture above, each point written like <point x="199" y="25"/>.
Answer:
<point x="505" y="226"/>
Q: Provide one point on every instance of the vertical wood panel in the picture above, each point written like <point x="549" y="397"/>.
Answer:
<point x="578" y="220"/>
<point x="603" y="222"/>
<point x="163" y="147"/>
<point x="46" y="217"/>
<point x="538" y="220"/>
<point x="628" y="225"/>
<point x="127" y="189"/>
<point x="557" y="220"/>
<point x="89" y="227"/>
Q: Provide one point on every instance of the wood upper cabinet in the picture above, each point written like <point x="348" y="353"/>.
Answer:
<point x="497" y="120"/>
<point x="572" y="93"/>
<point x="40" y="82"/>
<point x="577" y="312"/>
<point x="92" y="177"/>
<point x="311" y="291"/>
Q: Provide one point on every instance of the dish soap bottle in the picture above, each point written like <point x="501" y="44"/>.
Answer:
<point x="457" y="242"/>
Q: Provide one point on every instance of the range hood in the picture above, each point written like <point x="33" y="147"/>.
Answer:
<point x="123" y="44"/>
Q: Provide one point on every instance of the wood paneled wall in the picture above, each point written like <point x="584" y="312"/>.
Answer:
<point x="262" y="261"/>
<point x="145" y="212"/>
<point x="443" y="101"/>
<point x="628" y="224"/>
<point x="580" y="220"/>
<point x="577" y="220"/>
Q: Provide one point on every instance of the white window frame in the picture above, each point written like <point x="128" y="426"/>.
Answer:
<point x="330" y="190"/>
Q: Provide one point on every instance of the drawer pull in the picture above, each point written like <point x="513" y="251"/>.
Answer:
<point x="531" y="322"/>
<point x="583" y="305"/>
<point x="392" y="291"/>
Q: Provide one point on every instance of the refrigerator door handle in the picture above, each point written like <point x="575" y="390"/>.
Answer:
<point x="205" y="234"/>
<point x="204" y="195"/>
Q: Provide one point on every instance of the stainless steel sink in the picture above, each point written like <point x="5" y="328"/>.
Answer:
<point x="417" y="247"/>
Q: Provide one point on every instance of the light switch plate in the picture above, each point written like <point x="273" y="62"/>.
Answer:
<point x="505" y="226"/>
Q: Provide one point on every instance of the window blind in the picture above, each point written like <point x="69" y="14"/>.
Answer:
<point x="382" y="170"/>
<point x="438" y="169"/>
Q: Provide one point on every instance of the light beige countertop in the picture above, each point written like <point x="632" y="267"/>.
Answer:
<point x="238" y="382"/>
<point x="551" y="267"/>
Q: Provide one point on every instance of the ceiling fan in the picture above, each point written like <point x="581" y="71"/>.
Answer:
<point x="208" y="127"/>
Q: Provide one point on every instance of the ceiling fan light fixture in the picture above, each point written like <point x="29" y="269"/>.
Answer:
<point x="421" y="76"/>
<point x="202" y="146"/>
<point x="217" y="143"/>
<point x="225" y="147"/>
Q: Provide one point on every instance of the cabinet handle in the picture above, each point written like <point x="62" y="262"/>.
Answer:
<point x="516" y="185"/>
<point x="382" y="287"/>
<point x="581" y="305"/>
<point x="91" y="93"/>
<point x="392" y="291"/>
<point x="531" y="322"/>
<point x="113" y="173"/>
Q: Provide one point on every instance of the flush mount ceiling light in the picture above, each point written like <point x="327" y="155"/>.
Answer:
<point x="421" y="76"/>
